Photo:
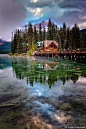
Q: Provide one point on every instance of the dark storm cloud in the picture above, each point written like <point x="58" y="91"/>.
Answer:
<point x="11" y="16"/>
<point x="48" y="3"/>
<point x="49" y="9"/>
<point x="74" y="12"/>
<point x="69" y="11"/>
<point x="14" y="13"/>
<point x="40" y="3"/>
<point x="73" y="4"/>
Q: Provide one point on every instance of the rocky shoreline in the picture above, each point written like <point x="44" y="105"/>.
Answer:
<point x="68" y="111"/>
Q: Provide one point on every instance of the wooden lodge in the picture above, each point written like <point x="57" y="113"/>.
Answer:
<point x="48" y="45"/>
<point x="49" y="48"/>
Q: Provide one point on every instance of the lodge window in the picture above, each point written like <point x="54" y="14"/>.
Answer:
<point x="53" y="45"/>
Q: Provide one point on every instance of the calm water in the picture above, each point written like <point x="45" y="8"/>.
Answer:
<point x="42" y="93"/>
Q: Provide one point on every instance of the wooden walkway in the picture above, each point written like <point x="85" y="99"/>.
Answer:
<point x="64" y="53"/>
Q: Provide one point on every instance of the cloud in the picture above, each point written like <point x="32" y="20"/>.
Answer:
<point x="38" y="12"/>
<point x="58" y="10"/>
<point x="82" y="17"/>
<point x="82" y="25"/>
<point x="11" y="17"/>
<point x="34" y="1"/>
<point x="14" y="13"/>
<point x="73" y="4"/>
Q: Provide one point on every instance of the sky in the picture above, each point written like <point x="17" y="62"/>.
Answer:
<point x="17" y="13"/>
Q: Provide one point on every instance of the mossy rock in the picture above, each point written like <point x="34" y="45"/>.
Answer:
<point x="27" y="126"/>
<point x="65" y="107"/>
<point x="20" y="127"/>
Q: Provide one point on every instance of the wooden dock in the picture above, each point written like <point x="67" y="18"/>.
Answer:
<point x="70" y="54"/>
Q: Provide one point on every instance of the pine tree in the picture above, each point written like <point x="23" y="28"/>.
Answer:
<point x="44" y="34"/>
<point x="84" y="39"/>
<point x="40" y="32"/>
<point x="78" y="38"/>
<point x="19" y="43"/>
<point x="12" y="44"/>
<point x="64" y="32"/>
<point x="56" y="29"/>
<point x="64" y="26"/>
<point x="58" y="39"/>
<point x="15" y="41"/>
<point x="30" y="35"/>
<point x="33" y="46"/>
<point x="67" y="42"/>
<point x="70" y="39"/>
<point x="75" y="37"/>
<point x="81" y="42"/>
<point x="49" y="33"/>
<point x="35" y="35"/>
<point x="61" y="33"/>
<point x="54" y="33"/>
<point x="61" y="29"/>
<point x="24" y="43"/>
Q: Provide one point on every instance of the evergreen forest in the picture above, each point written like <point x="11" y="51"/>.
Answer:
<point x="67" y="38"/>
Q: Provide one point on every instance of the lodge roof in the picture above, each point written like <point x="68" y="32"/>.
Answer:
<point x="47" y="67"/>
<point x="48" y="42"/>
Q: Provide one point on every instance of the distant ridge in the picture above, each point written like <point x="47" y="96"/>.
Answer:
<point x="5" y="45"/>
<point x="82" y="30"/>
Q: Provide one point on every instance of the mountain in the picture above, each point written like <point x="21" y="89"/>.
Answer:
<point x="5" y="45"/>
<point x="43" y="24"/>
<point x="82" y="30"/>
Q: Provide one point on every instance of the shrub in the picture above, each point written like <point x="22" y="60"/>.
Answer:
<point x="15" y="54"/>
<point x="29" y="52"/>
<point x="10" y="54"/>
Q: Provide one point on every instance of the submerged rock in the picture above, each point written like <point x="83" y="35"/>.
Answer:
<point x="65" y="106"/>
<point x="27" y="126"/>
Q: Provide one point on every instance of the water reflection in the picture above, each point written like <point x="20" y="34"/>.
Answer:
<point x="45" y="71"/>
<point x="5" y="62"/>
<point x="37" y="106"/>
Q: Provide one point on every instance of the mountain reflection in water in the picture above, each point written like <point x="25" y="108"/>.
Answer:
<point x="46" y="72"/>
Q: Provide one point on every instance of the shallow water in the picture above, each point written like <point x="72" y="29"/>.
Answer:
<point x="42" y="93"/>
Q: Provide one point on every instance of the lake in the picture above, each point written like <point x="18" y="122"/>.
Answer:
<point x="42" y="93"/>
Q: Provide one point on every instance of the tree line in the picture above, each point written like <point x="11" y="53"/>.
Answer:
<point x="67" y="38"/>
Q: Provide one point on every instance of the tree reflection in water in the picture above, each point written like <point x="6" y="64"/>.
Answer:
<point x="45" y="71"/>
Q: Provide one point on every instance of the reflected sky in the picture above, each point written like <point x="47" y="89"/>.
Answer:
<point x="42" y="84"/>
<point x="43" y="89"/>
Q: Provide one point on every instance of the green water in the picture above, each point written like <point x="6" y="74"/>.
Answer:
<point x="42" y="93"/>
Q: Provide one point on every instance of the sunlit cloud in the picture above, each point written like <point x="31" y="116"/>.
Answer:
<point x="38" y="12"/>
<point x="82" y="24"/>
<point x="34" y="1"/>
